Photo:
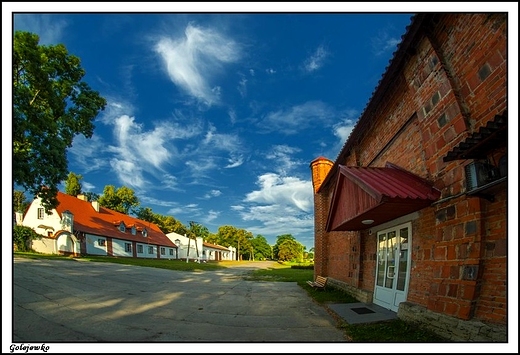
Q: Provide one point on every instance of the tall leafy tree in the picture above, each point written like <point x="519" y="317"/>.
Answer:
<point x="20" y="202"/>
<point x="51" y="105"/>
<point x="73" y="184"/>
<point x="290" y="249"/>
<point x="91" y="196"/>
<point x="261" y="248"/>
<point x="279" y="240"/>
<point x="122" y="199"/>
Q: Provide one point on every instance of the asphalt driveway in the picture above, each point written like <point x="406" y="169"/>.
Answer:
<point x="75" y="301"/>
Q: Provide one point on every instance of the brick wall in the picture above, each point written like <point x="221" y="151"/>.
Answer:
<point x="452" y="82"/>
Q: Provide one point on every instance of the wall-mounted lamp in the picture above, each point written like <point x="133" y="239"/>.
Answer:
<point x="367" y="221"/>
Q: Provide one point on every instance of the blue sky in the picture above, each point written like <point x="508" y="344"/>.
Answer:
<point x="215" y="117"/>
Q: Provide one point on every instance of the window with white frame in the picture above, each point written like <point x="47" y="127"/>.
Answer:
<point x="122" y="227"/>
<point x="140" y="248"/>
<point x="128" y="247"/>
<point x="163" y="251"/>
<point x="40" y="213"/>
<point x="171" y="251"/>
<point x="133" y="230"/>
<point x="150" y="250"/>
<point x="101" y="242"/>
<point x="145" y="232"/>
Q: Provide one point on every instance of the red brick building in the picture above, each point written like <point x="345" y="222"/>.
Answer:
<point x="412" y="215"/>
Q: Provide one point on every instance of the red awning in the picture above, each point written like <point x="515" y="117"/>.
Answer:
<point x="365" y="194"/>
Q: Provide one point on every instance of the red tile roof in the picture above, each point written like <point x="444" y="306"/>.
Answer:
<point x="214" y="246"/>
<point x="106" y="222"/>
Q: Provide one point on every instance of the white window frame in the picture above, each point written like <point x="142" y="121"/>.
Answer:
<point x="128" y="247"/>
<point x="122" y="227"/>
<point x="41" y="213"/>
<point x="150" y="249"/>
<point x="163" y="251"/>
<point x="139" y="249"/>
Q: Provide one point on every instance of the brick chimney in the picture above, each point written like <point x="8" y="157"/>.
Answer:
<point x="320" y="167"/>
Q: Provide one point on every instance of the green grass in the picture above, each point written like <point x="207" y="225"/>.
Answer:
<point x="157" y="263"/>
<point x="390" y="331"/>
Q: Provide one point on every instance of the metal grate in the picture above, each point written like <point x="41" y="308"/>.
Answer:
<point x="362" y="310"/>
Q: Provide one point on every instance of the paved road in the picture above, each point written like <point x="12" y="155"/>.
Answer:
<point x="75" y="301"/>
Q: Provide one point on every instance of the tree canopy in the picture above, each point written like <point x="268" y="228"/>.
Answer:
<point x="121" y="199"/>
<point x="73" y="184"/>
<point x="51" y="105"/>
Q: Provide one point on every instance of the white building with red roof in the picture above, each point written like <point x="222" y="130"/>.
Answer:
<point x="79" y="227"/>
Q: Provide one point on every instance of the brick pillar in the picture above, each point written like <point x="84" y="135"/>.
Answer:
<point x="320" y="167"/>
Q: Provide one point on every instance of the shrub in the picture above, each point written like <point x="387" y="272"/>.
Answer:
<point x="23" y="236"/>
<point x="306" y="267"/>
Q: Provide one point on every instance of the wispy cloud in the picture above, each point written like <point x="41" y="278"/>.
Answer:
<point x="282" y="156"/>
<point x="297" y="118"/>
<point x="47" y="27"/>
<point x="192" y="60"/>
<point x="134" y="153"/>
<point x="384" y="43"/>
<point x="212" y="193"/>
<point x="316" y="60"/>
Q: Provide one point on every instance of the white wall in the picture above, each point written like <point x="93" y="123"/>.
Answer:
<point x="118" y="248"/>
<point x="65" y="243"/>
<point x="93" y="246"/>
<point x="183" y="246"/>
<point x="145" y="253"/>
<point x="31" y="219"/>
<point x="45" y="245"/>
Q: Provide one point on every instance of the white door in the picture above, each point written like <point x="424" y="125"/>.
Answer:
<point x="393" y="266"/>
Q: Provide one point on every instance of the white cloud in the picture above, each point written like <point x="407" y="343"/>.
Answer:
<point x="281" y="205"/>
<point x="212" y="193"/>
<point x="191" y="61"/>
<point x="384" y="43"/>
<point x="315" y="61"/>
<point x="191" y="209"/>
<point x="212" y="215"/>
<point x="289" y="192"/>
<point x="234" y="162"/>
<point x="136" y="153"/>
<point x="270" y="71"/>
<point x="297" y="118"/>
<point x="242" y="87"/>
<point x="282" y="157"/>
<point x="46" y="26"/>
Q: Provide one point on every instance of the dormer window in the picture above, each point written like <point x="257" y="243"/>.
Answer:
<point x="122" y="227"/>
<point x="133" y="230"/>
<point x="145" y="233"/>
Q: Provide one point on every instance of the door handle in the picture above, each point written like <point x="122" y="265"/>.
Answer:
<point x="388" y="271"/>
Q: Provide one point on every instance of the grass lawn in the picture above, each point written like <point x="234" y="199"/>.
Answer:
<point x="391" y="331"/>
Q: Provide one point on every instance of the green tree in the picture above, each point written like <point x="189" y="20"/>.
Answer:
<point x="121" y="199"/>
<point x="262" y="249"/>
<point x="73" y="184"/>
<point x="91" y="196"/>
<point x="20" y="202"/>
<point x="51" y="105"/>
<point x="23" y="236"/>
<point x="290" y="250"/>
<point x="279" y="240"/>
<point x="235" y="237"/>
